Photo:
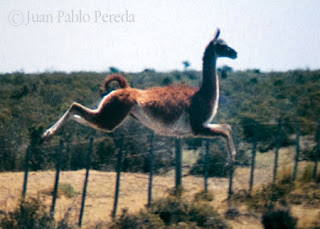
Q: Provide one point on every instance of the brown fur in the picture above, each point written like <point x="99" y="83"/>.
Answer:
<point x="123" y="83"/>
<point x="167" y="103"/>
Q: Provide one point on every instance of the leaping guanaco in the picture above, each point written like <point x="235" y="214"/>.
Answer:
<point x="175" y="110"/>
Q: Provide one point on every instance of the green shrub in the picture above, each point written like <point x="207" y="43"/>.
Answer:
<point x="232" y="213"/>
<point x="64" y="224"/>
<point x="140" y="220"/>
<point x="215" y="222"/>
<point x="171" y="210"/>
<point x="275" y="192"/>
<point x="284" y="191"/>
<point x="242" y="196"/>
<point x="205" y="196"/>
<point x="216" y="163"/>
<point x="201" y="212"/>
<point x="176" y="192"/>
<point x="30" y="214"/>
<point x="278" y="219"/>
<point x="308" y="174"/>
<point x="103" y="157"/>
<point x="304" y="191"/>
<point x="174" y="210"/>
<point x="271" y="193"/>
<point x="66" y="189"/>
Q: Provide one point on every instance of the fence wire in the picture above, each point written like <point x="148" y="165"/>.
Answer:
<point x="158" y="150"/>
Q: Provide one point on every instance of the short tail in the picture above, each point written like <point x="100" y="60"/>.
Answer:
<point x="123" y="83"/>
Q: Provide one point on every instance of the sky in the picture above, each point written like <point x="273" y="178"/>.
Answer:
<point x="93" y="35"/>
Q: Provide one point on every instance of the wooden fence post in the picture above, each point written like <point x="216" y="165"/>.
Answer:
<point x="253" y="163"/>
<point x="296" y="163"/>
<point x="151" y="157"/>
<point x="178" y="163"/>
<point x="86" y="181"/>
<point x="206" y="165"/>
<point x="316" y="159"/>
<point x="231" y="170"/>
<point x="278" y="145"/>
<point x="26" y="173"/>
<point x="25" y="183"/>
<point x="56" y="184"/>
<point x="119" y="163"/>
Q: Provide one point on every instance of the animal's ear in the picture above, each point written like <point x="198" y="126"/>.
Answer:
<point x="217" y="34"/>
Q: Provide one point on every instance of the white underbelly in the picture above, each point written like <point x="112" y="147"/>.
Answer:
<point x="179" y="127"/>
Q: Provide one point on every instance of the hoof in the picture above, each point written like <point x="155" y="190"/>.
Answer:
<point x="230" y="163"/>
<point x="46" y="136"/>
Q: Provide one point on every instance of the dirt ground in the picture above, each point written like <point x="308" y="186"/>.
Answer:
<point x="134" y="190"/>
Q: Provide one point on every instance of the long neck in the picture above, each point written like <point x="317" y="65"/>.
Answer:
<point x="210" y="80"/>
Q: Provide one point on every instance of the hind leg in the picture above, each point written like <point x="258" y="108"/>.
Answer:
<point x="75" y="110"/>
<point x="111" y="112"/>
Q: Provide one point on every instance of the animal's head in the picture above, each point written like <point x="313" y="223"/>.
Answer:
<point x="219" y="47"/>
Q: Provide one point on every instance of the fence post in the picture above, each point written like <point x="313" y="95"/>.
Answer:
<point x="278" y="145"/>
<point x="26" y="173"/>
<point x="206" y="165"/>
<point x="295" y="169"/>
<point x="86" y="181"/>
<point x="56" y="184"/>
<point x="150" y="170"/>
<point x="178" y="162"/>
<point x="231" y="170"/>
<point x="253" y="163"/>
<point x="25" y="183"/>
<point x="119" y="163"/>
<point x="315" y="171"/>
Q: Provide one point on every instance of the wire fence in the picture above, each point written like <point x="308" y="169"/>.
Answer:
<point x="151" y="153"/>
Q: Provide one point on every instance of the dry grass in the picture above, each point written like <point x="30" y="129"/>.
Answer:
<point x="100" y="193"/>
<point x="308" y="217"/>
<point x="133" y="190"/>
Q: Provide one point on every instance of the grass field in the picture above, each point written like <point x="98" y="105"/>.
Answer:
<point x="133" y="190"/>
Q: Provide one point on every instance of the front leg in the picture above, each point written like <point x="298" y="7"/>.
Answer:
<point x="223" y="130"/>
